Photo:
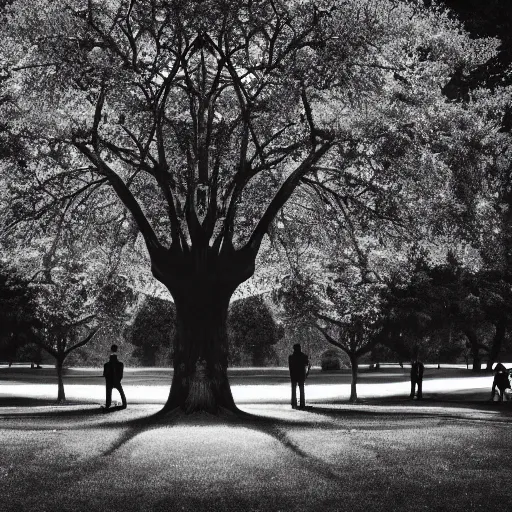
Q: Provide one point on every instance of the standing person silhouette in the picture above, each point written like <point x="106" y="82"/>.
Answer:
<point x="113" y="373"/>
<point x="298" y="364"/>
<point x="416" y="378"/>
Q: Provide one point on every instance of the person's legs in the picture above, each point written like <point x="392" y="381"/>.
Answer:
<point x="493" y="389"/>
<point x="302" y="396"/>
<point x="108" y="400"/>
<point x="502" y="392"/>
<point x="294" y="394"/>
<point x="420" y="386"/>
<point x="121" y="393"/>
<point x="413" y="387"/>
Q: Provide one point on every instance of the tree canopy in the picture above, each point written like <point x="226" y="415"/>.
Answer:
<point x="192" y="112"/>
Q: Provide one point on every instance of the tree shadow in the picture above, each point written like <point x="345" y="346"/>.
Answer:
<point x="420" y="409"/>
<point x="56" y="409"/>
<point x="20" y="401"/>
<point x="277" y="428"/>
<point x="177" y="418"/>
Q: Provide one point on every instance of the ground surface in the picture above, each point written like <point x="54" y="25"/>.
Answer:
<point x="256" y="385"/>
<point x="452" y="451"/>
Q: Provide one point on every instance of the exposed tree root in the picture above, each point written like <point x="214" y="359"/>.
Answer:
<point x="181" y="416"/>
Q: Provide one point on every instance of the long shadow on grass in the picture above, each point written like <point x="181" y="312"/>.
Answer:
<point x="425" y="413"/>
<point x="273" y="427"/>
<point x="56" y="411"/>
<point x="21" y="401"/>
<point x="323" y="418"/>
<point x="277" y="430"/>
<point x="179" y="419"/>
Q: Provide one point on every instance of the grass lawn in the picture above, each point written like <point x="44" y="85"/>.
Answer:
<point x="448" y="452"/>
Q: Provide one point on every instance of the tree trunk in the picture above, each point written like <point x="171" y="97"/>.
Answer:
<point x="201" y="280"/>
<point x="497" y="341"/>
<point x="475" y="349"/>
<point x="477" y="361"/>
<point x="353" y="383"/>
<point x="200" y="356"/>
<point x="61" y="396"/>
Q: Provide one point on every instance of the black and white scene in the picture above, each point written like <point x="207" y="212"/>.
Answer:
<point x="255" y="255"/>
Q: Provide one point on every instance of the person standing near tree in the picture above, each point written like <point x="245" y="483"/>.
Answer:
<point x="416" y="378"/>
<point x="113" y="373"/>
<point x="299" y="367"/>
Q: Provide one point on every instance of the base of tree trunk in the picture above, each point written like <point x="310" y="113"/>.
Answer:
<point x="222" y="415"/>
<point x="200" y="389"/>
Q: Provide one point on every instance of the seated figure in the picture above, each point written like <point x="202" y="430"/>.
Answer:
<point x="502" y="382"/>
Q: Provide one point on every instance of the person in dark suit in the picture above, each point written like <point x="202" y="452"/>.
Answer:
<point x="416" y="378"/>
<point x="298" y="364"/>
<point x="113" y="373"/>
<point x="501" y="380"/>
<point x="500" y="367"/>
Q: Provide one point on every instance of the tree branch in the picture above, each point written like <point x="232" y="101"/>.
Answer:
<point x="330" y="339"/>
<point x="86" y="340"/>
<point x="124" y="193"/>
<point x="283" y="195"/>
<point x="81" y="321"/>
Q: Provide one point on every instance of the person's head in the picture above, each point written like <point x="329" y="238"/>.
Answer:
<point x="113" y="348"/>
<point x="296" y="347"/>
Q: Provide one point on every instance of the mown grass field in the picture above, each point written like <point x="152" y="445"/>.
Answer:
<point x="452" y="451"/>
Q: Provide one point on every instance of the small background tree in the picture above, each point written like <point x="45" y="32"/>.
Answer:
<point x="17" y="313"/>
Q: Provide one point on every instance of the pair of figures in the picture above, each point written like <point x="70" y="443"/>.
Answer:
<point x="299" y="367"/>
<point x="298" y="364"/>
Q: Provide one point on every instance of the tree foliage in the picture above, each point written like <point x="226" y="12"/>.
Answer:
<point x="252" y="332"/>
<point x="186" y="107"/>
<point x="17" y="312"/>
<point x="438" y="305"/>
<point x="151" y="330"/>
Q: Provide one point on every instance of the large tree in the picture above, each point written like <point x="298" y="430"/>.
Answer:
<point x="201" y="119"/>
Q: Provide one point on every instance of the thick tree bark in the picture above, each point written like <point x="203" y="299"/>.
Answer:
<point x="61" y="396"/>
<point x="201" y="292"/>
<point x="200" y="381"/>
<point x="353" y="383"/>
